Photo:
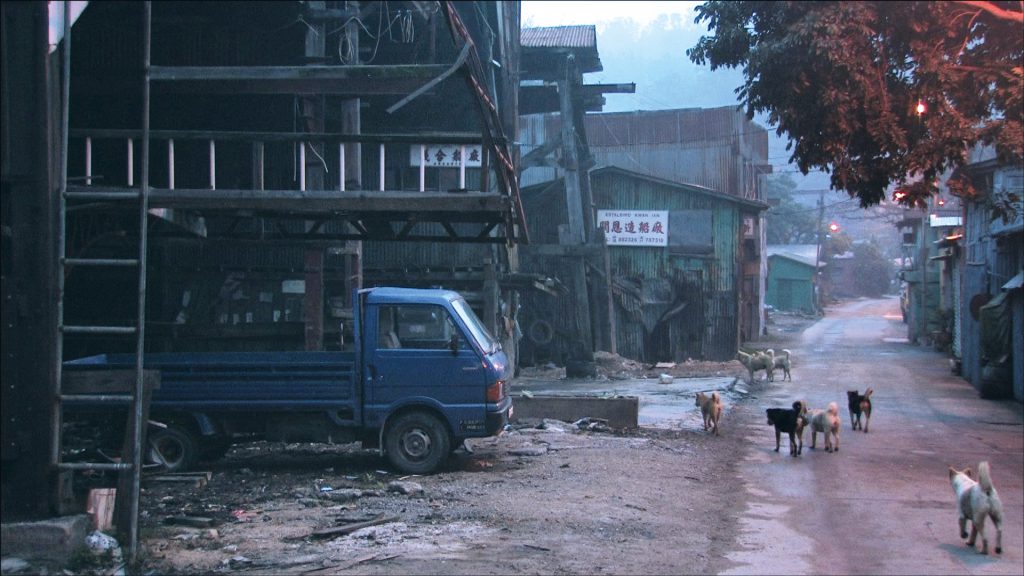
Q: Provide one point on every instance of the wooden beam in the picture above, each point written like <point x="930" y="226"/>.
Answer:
<point x="221" y="135"/>
<point x="323" y="201"/>
<point x="559" y="250"/>
<point x="358" y="80"/>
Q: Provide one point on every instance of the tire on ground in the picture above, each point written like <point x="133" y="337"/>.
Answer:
<point x="417" y="442"/>
<point x="174" y="448"/>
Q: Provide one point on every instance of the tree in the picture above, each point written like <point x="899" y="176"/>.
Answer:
<point x="788" y="221"/>
<point x="844" y="81"/>
<point x="873" y="273"/>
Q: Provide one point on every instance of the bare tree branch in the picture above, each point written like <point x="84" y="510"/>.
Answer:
<point x="996" y="11"/>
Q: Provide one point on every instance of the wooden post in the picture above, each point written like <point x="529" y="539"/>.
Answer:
<point x="609" y="296"/>
<point x="314" y="299"/>
<point x="575" y="232"/>
<point x="257" y="166"/>
<point x="491" y="296"/>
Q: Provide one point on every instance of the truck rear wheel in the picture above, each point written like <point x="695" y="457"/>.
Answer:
<point x="174" y="448"/>
<point x="417" y="443"/>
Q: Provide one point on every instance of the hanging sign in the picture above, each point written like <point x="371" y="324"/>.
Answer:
<point x="446" y="155"/>
<point x="633" y="227"/>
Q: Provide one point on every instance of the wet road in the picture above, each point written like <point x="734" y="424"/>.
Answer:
<point x="882" y="504"/>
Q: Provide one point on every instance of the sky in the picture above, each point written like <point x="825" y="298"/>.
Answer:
<point x="645" y="43"/>
<point x="557" y="13"/>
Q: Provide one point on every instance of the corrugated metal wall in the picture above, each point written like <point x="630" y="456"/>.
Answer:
<point x="707" y="326"/>
<point x="717" y="148"/>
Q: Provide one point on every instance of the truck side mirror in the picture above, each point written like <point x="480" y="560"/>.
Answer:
<point x="453" y="344"/>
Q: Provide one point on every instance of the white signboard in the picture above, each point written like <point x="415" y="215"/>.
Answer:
<point x="446" y="155"/>
<point x="633" y="227"/>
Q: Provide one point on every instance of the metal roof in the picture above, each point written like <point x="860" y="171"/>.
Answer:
<point x="802" y="253"/>
<point x="584" y="36"/>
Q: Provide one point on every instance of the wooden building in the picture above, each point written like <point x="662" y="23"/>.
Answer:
<point x="717" y="148"/>
<point x="221" y="175"/>
<point x="669" y="280"/>
<point x="988" y="264"/>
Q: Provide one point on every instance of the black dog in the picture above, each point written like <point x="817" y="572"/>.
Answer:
<point x="792" y="422"/>
<point x="860" y="404"/>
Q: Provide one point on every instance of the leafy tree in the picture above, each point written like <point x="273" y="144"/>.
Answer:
<point x="834" y="243"/>
<point x="788" y="221"/>
<point x="873" y="273"/>
<point x="843" y="80"/>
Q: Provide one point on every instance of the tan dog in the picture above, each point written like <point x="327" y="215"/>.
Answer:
<point x="827" y="422"/>
<point x="976" y="500"/>
<point x="710" y="409"/>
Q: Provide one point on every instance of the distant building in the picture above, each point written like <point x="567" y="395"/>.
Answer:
<point x="792" y="282"/>
<point x="671" y="277"/>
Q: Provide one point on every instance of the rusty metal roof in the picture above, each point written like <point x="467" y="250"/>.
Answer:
<point x="584" y="36"/>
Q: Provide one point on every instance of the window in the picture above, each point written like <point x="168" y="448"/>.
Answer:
<point x="416" y="326"/>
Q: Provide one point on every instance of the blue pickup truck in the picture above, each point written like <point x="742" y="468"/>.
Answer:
<point x="421" y="376"/>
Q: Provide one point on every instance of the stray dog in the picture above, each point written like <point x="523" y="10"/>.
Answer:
<point x="826" y="422"/>
<point x="781" y="361"/>
<point x="860" y="404"/>
<point x="710" y="409"/>
<point x="792" y="422"/>
<point x="976" y="500"/>
<point x="756" y="361"/>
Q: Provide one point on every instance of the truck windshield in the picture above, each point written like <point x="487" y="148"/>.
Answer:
<point x="476" y="327"/>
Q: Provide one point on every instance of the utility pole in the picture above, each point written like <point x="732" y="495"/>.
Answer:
<point x="817" y="253"/>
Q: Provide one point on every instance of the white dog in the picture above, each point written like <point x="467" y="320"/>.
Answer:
<point x="827" y="422"/>
<point x="781" y="361"/>
<point x="975" y="501"/>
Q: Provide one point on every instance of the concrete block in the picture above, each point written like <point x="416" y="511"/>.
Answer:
<point x="52" y="540"/>
<point x="619" y="412"/>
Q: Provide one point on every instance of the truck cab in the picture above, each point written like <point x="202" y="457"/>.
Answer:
<point x="432" y="374"/>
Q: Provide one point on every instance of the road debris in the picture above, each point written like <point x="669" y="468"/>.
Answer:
<point x="350" y="528"/>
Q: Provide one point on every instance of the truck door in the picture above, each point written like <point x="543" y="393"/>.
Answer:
<point x="413" y="358"/>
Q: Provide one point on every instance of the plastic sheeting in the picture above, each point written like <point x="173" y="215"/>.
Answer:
<point x="996" y="347"/>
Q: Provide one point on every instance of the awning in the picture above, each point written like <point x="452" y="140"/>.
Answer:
<point x="1015" y="283"/>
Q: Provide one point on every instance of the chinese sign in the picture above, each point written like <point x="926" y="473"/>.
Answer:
<point x="634" y="228"/>
<point x="446" y="156"/>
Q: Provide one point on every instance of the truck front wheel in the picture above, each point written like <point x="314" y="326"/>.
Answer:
<point x="174" y="448"/>
<point x="417" y="443"/>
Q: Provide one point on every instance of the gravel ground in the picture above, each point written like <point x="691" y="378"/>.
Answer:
<point x="546" y="499"/>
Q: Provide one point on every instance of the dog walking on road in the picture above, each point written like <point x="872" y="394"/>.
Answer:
<point x="710" y="409"/>
<point x="976" y="501"/>
<point x="860" y="404"/>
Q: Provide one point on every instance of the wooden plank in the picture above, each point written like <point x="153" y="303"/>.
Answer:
<point x="301" y="72"/>
<point x="460" y="207"/>
<point x="193" y="521"/>
<point x="350" y="528"/>
<point x="359" y="80"/>
<point x="224" y="135"/>
<point x="573" y="250"/>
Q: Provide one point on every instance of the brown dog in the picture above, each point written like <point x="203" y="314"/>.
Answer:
<point x="710" y="409"/>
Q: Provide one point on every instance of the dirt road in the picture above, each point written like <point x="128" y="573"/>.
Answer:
<point x="552" y="501"/>
<point x="882" y="504"/>
<point x="661" y="500"/>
